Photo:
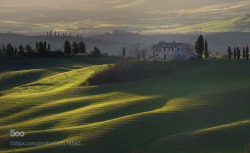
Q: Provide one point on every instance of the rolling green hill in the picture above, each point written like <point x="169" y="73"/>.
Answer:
<point x="202" y="108"/>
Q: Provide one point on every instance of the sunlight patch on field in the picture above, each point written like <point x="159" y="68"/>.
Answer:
<point x="221" y="127"/>
<point x="181" y="104"/>
<point x="55" y="83"/>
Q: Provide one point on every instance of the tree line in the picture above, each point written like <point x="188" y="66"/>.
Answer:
<point x="236" y="53"/>
<point x="43" y="49"/>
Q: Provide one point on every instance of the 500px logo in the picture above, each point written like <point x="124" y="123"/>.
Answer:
<point x="14" y="133"/>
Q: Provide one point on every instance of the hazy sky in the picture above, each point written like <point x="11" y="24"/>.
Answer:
<point x="113" y="14"/>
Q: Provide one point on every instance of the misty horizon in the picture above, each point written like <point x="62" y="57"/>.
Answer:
<point x="143" y="16"/>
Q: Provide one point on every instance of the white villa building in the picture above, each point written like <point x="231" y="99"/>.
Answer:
<point x="174" y="50"/>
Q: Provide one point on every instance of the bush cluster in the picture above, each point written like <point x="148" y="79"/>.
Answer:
<point x="125" y="70"/>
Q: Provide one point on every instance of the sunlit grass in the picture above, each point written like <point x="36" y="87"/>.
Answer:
<point x="153" y="113"/>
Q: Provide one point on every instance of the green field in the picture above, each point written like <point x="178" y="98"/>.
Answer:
<point x="199" y="107"/>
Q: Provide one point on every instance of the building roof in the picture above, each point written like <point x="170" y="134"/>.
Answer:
<point x="163" y="44"/>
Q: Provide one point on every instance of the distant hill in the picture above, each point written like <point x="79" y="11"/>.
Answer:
<point x="113" y="44"/>
<point x="92" y="17"/>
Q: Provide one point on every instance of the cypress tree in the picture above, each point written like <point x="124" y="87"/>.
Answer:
<point x="36" y="46"/>
<point x="238" y="53"/>
<point x="82" y="47"/>
<point x="67" y="47"/>
<point x="40" y="48"/>
<point x="199" y="47"/>
<point x="28" y="48"/>
<point x="15" y="50"/>
<point x="3" y="48"/>
<point x="21" y="50"/>
<point x="229" y="52"/>
<point x="244" y="53"/>
<point x="74" y="48"/>
<point x="10" y="51"/>
<point x="235" y="54"/>
<point x="247" y="53"/>
<point x="123" y="51"/>
<point x="45" y="44"/>
<point x="96" y="52"/>
<point x="206" y="50"/>
<point x="49" y="46"/>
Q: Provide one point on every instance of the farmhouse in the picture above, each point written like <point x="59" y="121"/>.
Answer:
<point x="174" y="50"/>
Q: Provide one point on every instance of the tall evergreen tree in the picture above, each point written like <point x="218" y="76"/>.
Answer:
<point x="21" y="50"/>
<point x="199" y="47"/>
<point x="96" y="52"/>
<point x="45" y="44"/>
<point x="15" y="50"/>
<point x="238" y="53"/>
<point x="3" y="48"/>
<point x="244" y="53"/>
<point x="49" y="46"/>
<point x="67" y="47"/>
<point x="123" y="51"/>
<point x="36" y="46"/>
<point x="28" y="48"/>
<point x="229" y="52"/>
<point x="40" y="48"/>
<point x="206" y="50"/>
<point x="74" y="48"/>
<point x="10" y="51"/>
<point x="235" y="53"/>
<point x="82" y="47"/>
<point x="247" y="53"/>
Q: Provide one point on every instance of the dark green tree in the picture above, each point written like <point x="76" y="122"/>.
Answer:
<point x="40" y="48"/>
<point x="28" y="48"/>
<point x="229" y="52"/>
<point x="235" y="53"/>
<point x="21" y="50"/>
<point x="82" y="47"/>
<point x="206" y="50"/>
<point x="247" y="53"/>
<point x="244" y="53"/>
<point x="123" y="51"/>
<point x="96" y="52"/>
<point x="74" y="48"/>
<point x="36" y="46"/>
<point x="49" y="46"/>
<point x="199" y="46"/>
<point x="15" y="50"/>
<point x="67" y="47"/>
<point x="238" y="53"/>
<point x="3" y="49"/>
<point x="45" y="44"/>
<point x="10" y="51"/>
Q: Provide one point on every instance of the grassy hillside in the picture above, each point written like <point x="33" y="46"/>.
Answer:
<point x="203" y="108"/>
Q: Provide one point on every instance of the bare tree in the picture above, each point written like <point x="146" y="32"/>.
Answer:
<point x="138" y="51"/>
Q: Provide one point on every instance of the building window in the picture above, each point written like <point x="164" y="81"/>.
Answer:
<point x="156" y="54"/>
<point x="178" y="49"/>
<point x="164" y="49"/>
<point x="172" y="49"/>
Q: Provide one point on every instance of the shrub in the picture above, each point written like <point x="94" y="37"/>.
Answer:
<point x="126" y="70"/>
